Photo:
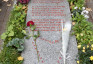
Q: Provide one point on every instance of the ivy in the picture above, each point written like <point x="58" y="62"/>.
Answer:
<point x="18" y="43"/>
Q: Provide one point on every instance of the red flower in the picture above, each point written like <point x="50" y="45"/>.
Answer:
<point x="24" y="1"/>
<point x="30" y="23"/>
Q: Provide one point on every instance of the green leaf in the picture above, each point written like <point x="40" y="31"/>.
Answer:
<point x="18" y="43"/>
<point x="35" y="37"/>
<point x="38" y="33"/>
<point x="22" y="20"/>
<point x="24" y="31"/>
<point x="11" y="33"/>
<point x="21" y="41"/>
<point x="21" y="48"/>
<point x="27" y="37"/>
<point x="9" y="44"/>
<point x="3" y="36"/>
<point x="10" y="27"/>
<point x="33" y="28"/>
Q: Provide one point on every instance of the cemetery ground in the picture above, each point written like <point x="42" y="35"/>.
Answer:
<point x="12" y="54"/>
<point x="5" y="9"/>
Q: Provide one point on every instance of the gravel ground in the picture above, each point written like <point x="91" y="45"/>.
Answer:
<point x="4" y="16"/>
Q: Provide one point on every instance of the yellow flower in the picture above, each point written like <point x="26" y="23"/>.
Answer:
<point x="20" y="58"/>
<point x="78" y="62"/>
<point x="83" y="50"/>
<point x="81" y="34"/>
<point x="92" y="45"/>
<point x="79" y="46"/>
<point x="91" y="48"/>
<point x="87" y="46"/>
<point x="91" y="58"/>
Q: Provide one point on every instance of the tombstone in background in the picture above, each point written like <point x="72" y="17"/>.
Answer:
<point x="47" y="15"/>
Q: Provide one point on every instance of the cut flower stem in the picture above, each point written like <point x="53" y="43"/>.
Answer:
<point x="36" y="50"/>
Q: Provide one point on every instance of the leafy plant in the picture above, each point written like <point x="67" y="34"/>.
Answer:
<point x="9" y="56"/>
<point x="84" y="54"/>
<point x="9" y="32"/>
<point x="72" y="1"/>
<point x="15" y="27"/>
<point x="83" y="30"/>
<point x="18" y="43"/>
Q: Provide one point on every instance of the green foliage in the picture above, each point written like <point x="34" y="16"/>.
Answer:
<point x="72" y="1"/>
<point x="83" y="27"/>
<point x="15" y="27"/>
<point x="78" y="18"/>
<point x="9" y="56"/>
<point x="83" y="30"/>
<point x="80" y="3"/>
<point x="9" y="32"/>
<point x="24" y="31"/>
<point x="33" y="28"/>
<point x="18" y="43"/>
<point x="84" y="57"/>
<point x="3" y="36"/>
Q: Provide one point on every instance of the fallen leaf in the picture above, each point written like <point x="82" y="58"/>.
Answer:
<point x="88" y="9"/>
<point x="73" y="23"/>
<point x="70" y="7"/>
<point x="8" y="4"/>
<point x="25" y="11"/>
<point x="5" y="0"/>
<point x="24" y="7"/>
<point x="0" y="10"/>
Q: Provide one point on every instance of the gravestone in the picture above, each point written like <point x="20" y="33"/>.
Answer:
<point x="48" y="15"/>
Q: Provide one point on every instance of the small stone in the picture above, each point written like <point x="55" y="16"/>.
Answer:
<point x="5" y="0"/>
<point x="0" y="10"/>
<point x="8" y="4"/>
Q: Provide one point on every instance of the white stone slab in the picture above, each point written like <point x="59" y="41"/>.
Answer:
<point x="49" y="43"/>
